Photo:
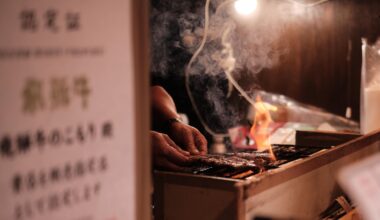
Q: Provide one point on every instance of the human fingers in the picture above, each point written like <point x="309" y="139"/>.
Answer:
<point x="188" y="141"/>
<point x="172" y="153"/>
<point x="163" y="147"/>
<point x="200" y="142"/>
<point x="173" y="144"/>
<point x="167" y="165"/>
<point x="183" y="134"/>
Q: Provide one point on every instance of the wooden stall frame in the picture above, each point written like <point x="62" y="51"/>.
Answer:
<point x="140" y="27"/>
<point x="178" y="194"/>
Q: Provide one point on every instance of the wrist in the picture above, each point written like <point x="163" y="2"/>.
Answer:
<point x="172" y="121"/>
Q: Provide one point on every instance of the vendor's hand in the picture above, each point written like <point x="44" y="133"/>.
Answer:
<point x="188" y="137"/>
<point x="166" y="154"/>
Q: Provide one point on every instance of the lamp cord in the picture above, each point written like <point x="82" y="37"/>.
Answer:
<point x="229" y="76"/>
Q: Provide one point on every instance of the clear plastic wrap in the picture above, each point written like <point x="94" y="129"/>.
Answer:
<point x="287" y="116"/>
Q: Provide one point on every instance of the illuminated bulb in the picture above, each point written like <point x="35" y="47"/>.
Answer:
<point x="245" y="7"/>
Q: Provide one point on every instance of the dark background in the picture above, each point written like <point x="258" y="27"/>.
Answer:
<point x="319" y="67"/>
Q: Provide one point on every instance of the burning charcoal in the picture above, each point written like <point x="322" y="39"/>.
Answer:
<point x="215" y="171"/>
<point x="220" y="171"/>
<point x="242" y="164"/>
<point x="276" y="164"/>
<point x="200" y="169"/>
<point x="235" y="172"/>
<point x="243" y="174"/>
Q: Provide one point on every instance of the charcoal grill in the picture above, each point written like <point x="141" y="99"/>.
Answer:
<point x="299" y="185"/>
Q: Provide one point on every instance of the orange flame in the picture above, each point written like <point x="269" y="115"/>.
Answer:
<point x="260" y="128"/>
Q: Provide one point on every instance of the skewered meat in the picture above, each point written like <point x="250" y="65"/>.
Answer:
<point x="224" y="161"/>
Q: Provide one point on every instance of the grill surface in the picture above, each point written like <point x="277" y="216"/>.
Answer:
<point x="299" y="185"/>
<point x="262" y="161"/>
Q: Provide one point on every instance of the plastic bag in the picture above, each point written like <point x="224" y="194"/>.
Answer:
<point x="287" y="116"/>
<point x="370" y="88"/>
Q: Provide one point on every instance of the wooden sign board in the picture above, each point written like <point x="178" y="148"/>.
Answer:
<point x="68" y="111"/>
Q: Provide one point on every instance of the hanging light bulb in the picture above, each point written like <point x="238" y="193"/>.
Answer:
<point x="245" y="7"/>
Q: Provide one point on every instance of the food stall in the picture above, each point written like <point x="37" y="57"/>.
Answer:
<point x="277" y="158"/>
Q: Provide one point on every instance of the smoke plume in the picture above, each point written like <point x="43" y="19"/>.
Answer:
<point x="177" y="30"/>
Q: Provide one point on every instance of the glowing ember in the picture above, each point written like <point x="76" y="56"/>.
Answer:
<point x="260" y="128"/>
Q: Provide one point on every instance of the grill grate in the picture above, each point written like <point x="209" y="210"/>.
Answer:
<point x="283" y="153"/>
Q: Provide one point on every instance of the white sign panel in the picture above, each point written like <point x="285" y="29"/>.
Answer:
<point x="66" y="109"/>
<point x="362" y="183"/>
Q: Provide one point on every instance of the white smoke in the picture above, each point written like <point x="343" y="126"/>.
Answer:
<point x="233" y="43"/>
